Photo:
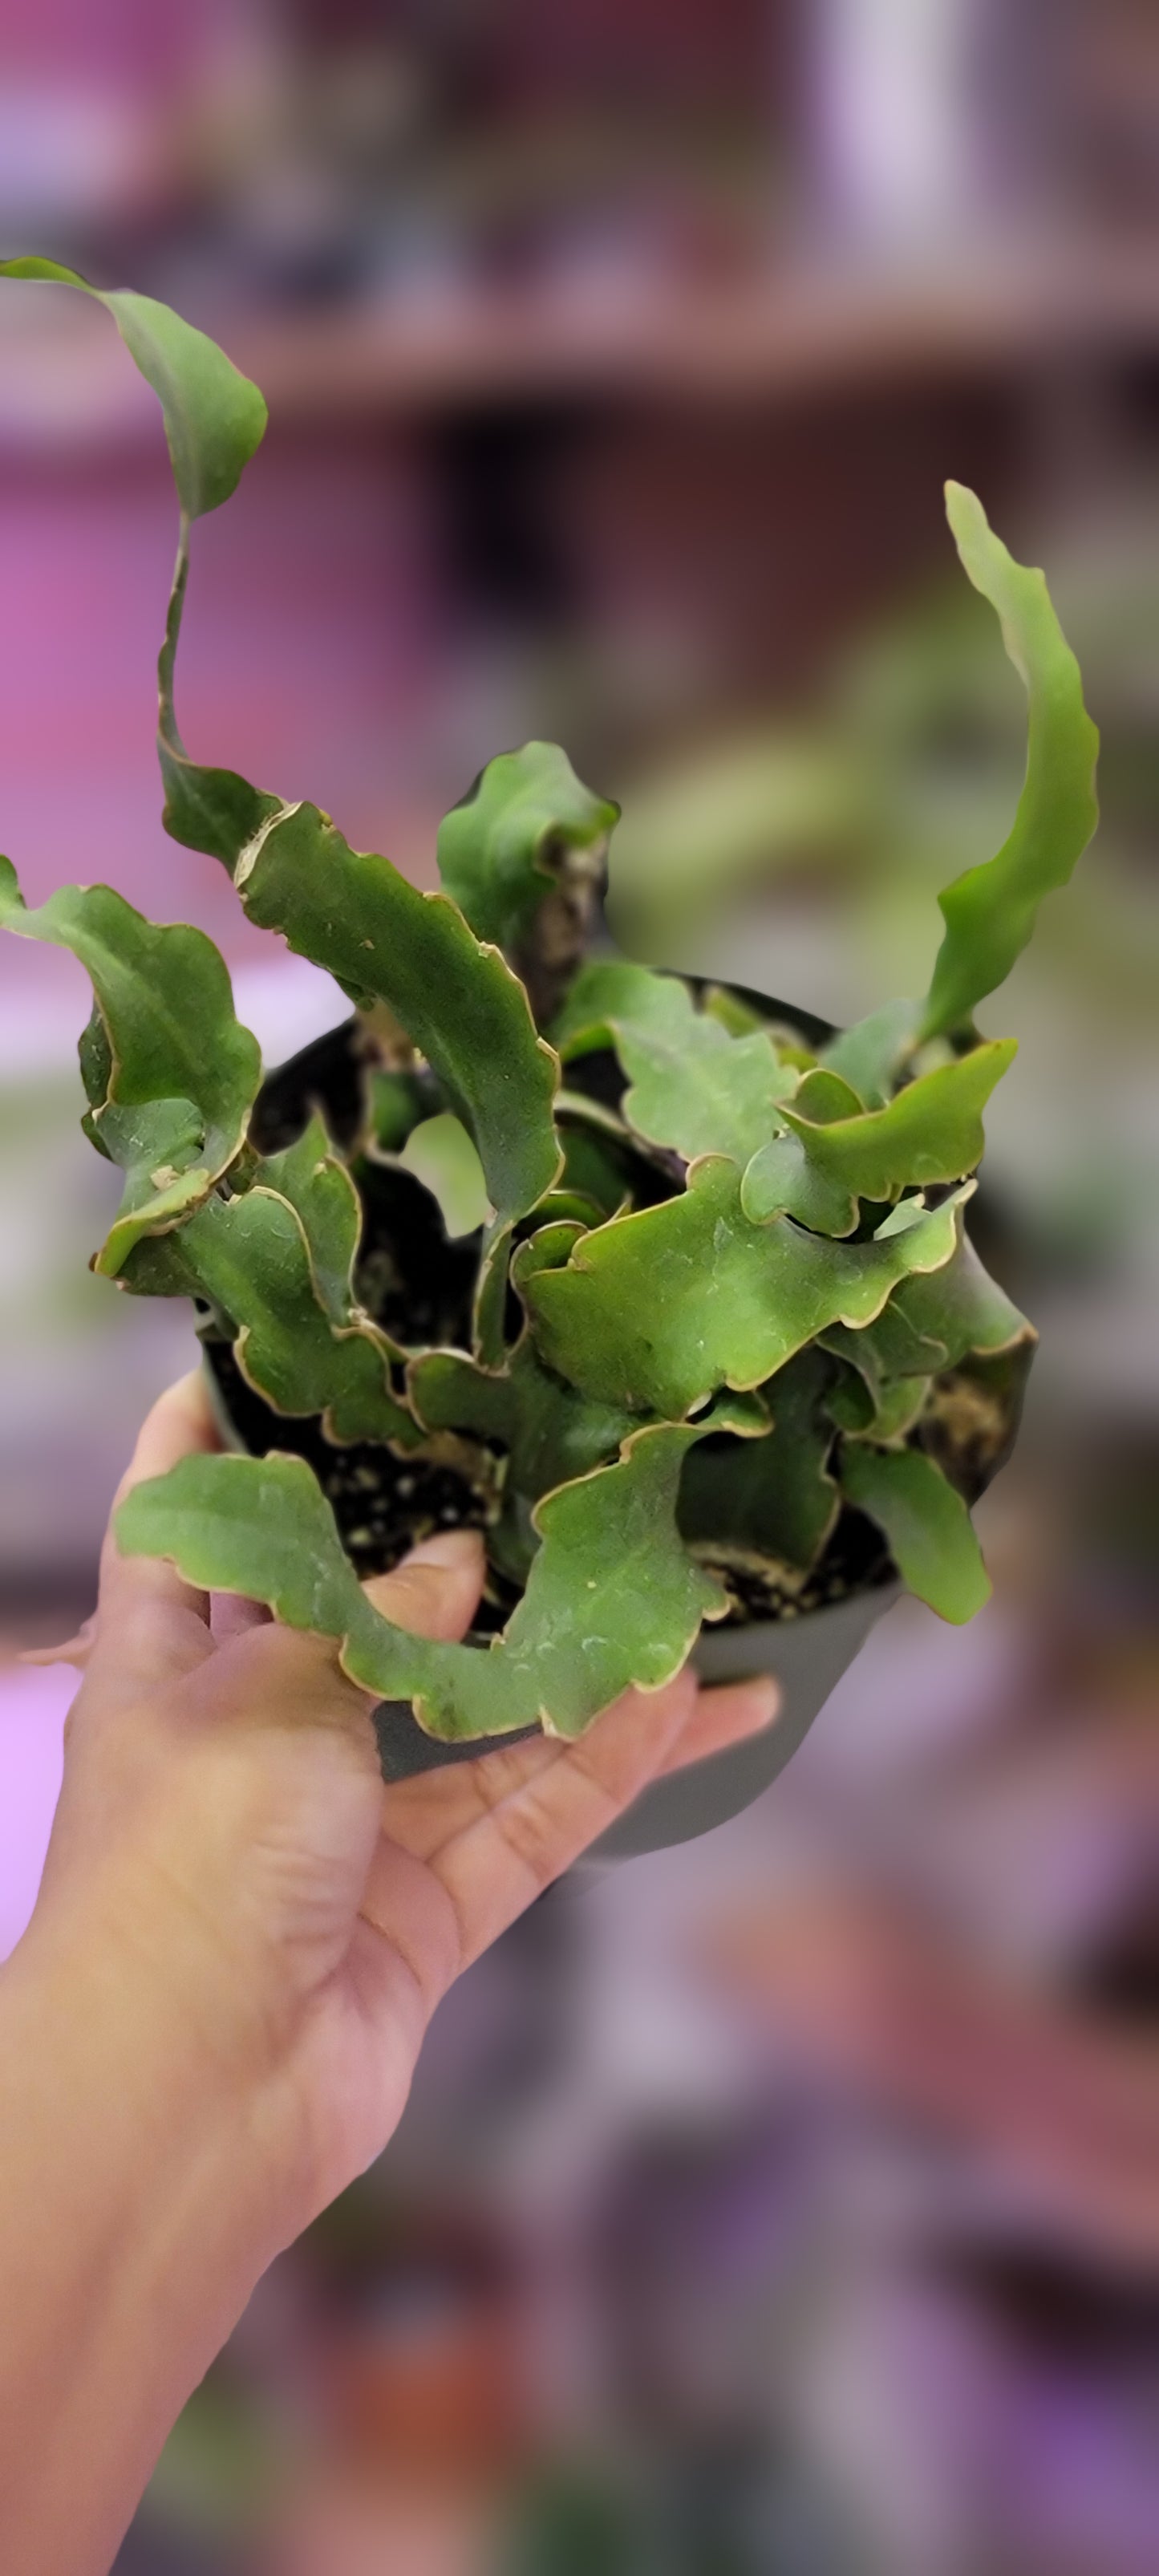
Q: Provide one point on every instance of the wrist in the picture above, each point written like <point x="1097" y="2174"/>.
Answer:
<point x="123" y="2043"/>
<point x="139" y="2203"/>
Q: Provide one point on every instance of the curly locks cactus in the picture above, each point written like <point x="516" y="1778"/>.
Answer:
<point x="668" y="1294"/>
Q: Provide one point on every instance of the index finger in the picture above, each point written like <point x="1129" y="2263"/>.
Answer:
<point x="137" y="1593"/>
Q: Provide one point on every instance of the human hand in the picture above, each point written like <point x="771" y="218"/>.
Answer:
<point x="224" y="1835"/>
<point x="211" y="2023"/>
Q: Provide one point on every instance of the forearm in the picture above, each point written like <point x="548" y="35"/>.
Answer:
<point x="134" y="2218"/>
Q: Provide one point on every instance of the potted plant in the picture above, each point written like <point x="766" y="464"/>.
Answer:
<point x="665" y="1287"/>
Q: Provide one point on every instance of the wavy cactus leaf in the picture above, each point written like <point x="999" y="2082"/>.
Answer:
<point x="398" y="1103"/>
<point x="612" y="1598"/>
<point x="771" y="1500"/>
<point x="440" y="1154"/>
<point x="173" y="1076"/>
<point x="258" y="1261"/>
<point x="382" y="939"/>
<point x="262" y="1527"/>
<point x="964" y="1310"/>
<point x="904" y="1213"/>
<point x="886" y="1419"/>
<point x="159" y="1145"/>
<point x="734" y="1013"/>
<point x="595" y="1168"/>
<point x="873" y="1054"/>
<point x="352" y="912"/>
<point x="933" y="1321"/>
<point x="215" y="810"/>
<point x="214" y="416"/>
<point x="301" y="1342"/>
<point x="824" y="1097"/>
<point x="658" y="1310"/>
<point x="931" y="1131"/>
<point x="782" y="1181"/>
<point x="565" y="1206"/>
<point x="892" y="1348"/>
<point x="699" y="1091"/>
<point x="990" y="910"/>
<point x="497" y="1273"/>
<point x="848" y="1401"/>
<point x="551" y="1432"/>
<point x="607" y="991"/>
<point x="582" y="1108"/>
<point x="94" y="1055"/>
<point x="549" y="1248"/>
<point x="889" y="1348"/>
<point x="526" y="829"/>
<point x="692" y="1085"/>
<point x="489" y="1318"/>
<point x="320" y="1190"/>
<point x="930" y="1533"/>
<point x="214" y="420"/>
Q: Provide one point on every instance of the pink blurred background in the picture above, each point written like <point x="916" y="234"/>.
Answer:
<point x="785" y="2205"/>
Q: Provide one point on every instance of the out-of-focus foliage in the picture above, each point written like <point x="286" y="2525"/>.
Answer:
<point x="990" y="911"/>
<point x="170" y="1075"/>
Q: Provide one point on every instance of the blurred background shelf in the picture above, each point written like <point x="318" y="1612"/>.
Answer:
<point x="799" y="336"/>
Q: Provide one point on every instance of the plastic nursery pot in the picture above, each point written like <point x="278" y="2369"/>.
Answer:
<point x="808" y="1655"/>
<point x="421" y="1285"/>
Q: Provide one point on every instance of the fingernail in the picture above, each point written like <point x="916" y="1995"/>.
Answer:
<point x="765" y="1695"/>
<point x="453" y="1549"/>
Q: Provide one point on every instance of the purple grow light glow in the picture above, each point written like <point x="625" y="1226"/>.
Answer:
<point x="33" y="1708"/>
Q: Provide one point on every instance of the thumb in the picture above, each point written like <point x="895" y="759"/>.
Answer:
<point x="435" y="1591"/>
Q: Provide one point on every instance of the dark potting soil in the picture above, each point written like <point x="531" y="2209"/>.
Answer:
<point x="330" y="1075"/>
<point x="856" y="1559"/>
